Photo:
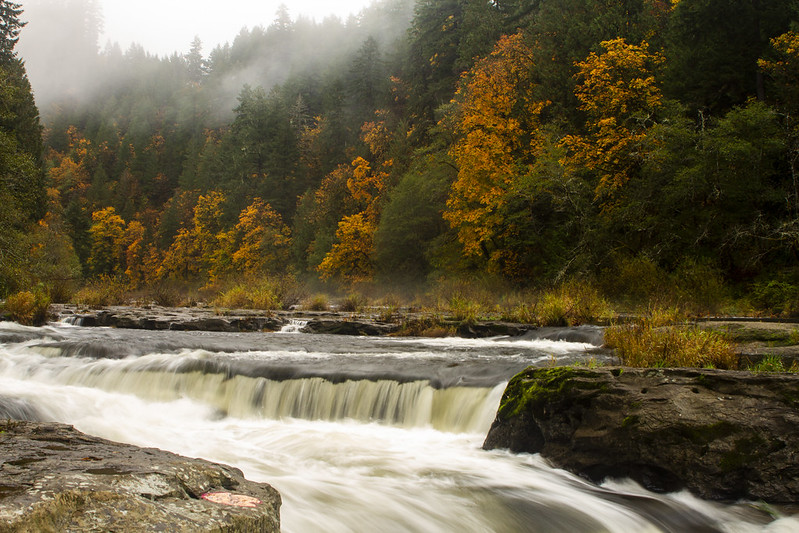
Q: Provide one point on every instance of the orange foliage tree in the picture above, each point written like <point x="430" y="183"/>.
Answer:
<point x="620" y="97"/>
<point x="351" y="256"/>
<point x="496" y="119"/>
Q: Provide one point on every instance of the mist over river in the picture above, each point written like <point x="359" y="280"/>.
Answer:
<point x="358" y="434"/>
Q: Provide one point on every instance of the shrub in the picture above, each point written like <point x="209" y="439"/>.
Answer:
<point x="353" y="303"/>
<point x="28" y="308"/>
<point x="261" y="294"/>
<point x="103" y="291"/>
<point x="388" y="309"/>
<point x="431" y="326"/>
<point x="776" y="297"/>
<point x="319" y="302"/>
<point x="266" y="293"/>
<point x="648" y="342"/>
<point x="465" y="310"/>
<point x="700" y="287"/>
<point x="636" y="282"/>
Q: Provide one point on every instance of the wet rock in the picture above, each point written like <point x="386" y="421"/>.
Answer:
<point x="175" y="319"/>
<point x="724" y="435"/>
<point x="492" y="329"/>
<point x="56" y="479"/>
<point x="349" y="327"/>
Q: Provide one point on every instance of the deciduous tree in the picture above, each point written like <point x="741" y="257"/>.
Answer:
<point x="496" y="121"/>
<point x="620" y="97"/>
<point x="107" y="235"/>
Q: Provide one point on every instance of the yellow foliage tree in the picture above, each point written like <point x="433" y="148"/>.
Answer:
<point x="203" y="248"/>
<point x="107" y="235"/>
<point x="263" y="240"/>
<point x="495" y="118"/>
<point x="351" y="256"/>
<point x="620" y="97"/>
<point x="133" y="242"/>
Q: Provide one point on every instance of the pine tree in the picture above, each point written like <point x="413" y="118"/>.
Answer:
<point x="10" y="26"/>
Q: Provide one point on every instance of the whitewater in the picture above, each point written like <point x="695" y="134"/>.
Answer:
<point x="357" y="434"/>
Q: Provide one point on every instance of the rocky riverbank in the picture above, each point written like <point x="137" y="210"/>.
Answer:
<point x="725" y="435"/>
<point x="55" y="479"/>
<point x="330" y="322"/>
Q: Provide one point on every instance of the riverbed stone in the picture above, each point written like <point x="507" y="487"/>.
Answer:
<point x="724" y="435"/>
<point x="56" y="479"/>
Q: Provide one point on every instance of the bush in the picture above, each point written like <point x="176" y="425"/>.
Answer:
<point x="262" y="295"/>
<point x="637" y="282"/>
<point x="353" y="303"/>
<point x="465" y="310"/>
<point x="776" y="297"/>
<point x="652" y="342"/>
<point x="432" y="326"/>
<point x="101" y="292"/>
<point x="28" y="308"/>
<point x="700" y="287"/>
<point x="319" y="302"/>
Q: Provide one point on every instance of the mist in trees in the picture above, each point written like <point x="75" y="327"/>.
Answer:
<point x="532" y="141"/>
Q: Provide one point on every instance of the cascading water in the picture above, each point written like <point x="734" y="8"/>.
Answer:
<point x="357" y="434"/>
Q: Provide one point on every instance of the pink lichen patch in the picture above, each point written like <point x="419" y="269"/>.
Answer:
<point x="235" y="500"/>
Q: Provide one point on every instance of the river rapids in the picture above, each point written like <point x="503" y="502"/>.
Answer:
<point x="357" y="434"/>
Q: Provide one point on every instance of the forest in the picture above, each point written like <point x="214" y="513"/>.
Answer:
<point x="646" y="148"/>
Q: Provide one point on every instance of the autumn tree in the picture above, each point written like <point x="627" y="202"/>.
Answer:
<point x="199" y="250"/>
<point x="496" y="121"/>
<point x="351" y="257"/>
<point x="261" y="240"/>
<point x="620" y="97"/>
<point x="107" y="242"/>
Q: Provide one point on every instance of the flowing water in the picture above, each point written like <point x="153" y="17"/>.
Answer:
<point x="357" y="434"/>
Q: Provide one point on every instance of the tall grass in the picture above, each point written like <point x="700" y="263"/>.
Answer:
<point x="261" y="294"/>
<point x="101" y="292"/>
<point x="570" y="304"/>
<point x="657" y="340"/>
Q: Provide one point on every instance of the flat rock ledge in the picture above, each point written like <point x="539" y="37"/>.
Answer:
<point x="724" y="435"/>
<point x="152" y="317"/>
<point x="56" y="479"/>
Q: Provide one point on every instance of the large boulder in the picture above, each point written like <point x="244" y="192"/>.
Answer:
<point x="724" y="435"/>
<point x="56" y="479"/>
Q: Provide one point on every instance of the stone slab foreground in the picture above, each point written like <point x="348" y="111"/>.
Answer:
<point x="54" y="478"/>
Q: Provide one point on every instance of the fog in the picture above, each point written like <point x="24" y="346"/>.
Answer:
<point x="76" y="49"/>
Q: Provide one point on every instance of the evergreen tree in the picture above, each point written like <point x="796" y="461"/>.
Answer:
<point x="10" y="26"/>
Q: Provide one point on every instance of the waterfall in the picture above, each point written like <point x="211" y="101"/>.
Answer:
<point x="163" y="378"/>
<point x="294" y="326"/>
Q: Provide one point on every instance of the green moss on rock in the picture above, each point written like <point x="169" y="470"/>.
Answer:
<point x="535" y="387"/>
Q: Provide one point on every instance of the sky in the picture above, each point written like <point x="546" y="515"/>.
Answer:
<point x="166" y="26"/>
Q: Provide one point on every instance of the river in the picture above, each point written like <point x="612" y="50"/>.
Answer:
<point x="358" y="434"/>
